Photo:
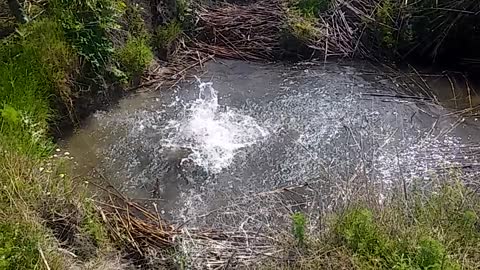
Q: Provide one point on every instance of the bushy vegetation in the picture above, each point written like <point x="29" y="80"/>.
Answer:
<point x="86" y="24"/>
<point x="35" y="67"/>
<point x="424" y="28"/>
<point x="18" y="248"/>
<point x="38" y="63"/>
<point x="134" y="56"/>
<point x="298" y="228"/>
<point x="165" y="35"/>
<point x="440" y="231"/>
<point x="310" y="8"/>
<point x="439" y="31"/>
<point x="301" y="27"/>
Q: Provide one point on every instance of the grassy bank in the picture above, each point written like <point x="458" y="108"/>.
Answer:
<point x="47" y="219"/>
<point x="435" y="231"/>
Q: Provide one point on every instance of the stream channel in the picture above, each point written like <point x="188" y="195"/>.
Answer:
<point x="223" y="149"/>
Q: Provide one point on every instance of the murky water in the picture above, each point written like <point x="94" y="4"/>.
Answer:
<point x="247" y="130"/>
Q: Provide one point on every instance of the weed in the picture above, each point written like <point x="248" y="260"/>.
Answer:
<point x="301" y="27"/>
<point x="384" y="15"/>
<point x="134" y="56"/>
<point x="298" y="228"/>
<point x="430" y="254"/>
<point x="34" y="67"/>
<point x="86" y="25"/>
<point x="360" y="233"/>
<point x="183" y="8"/>
<point x="439" y="231"/>
<point x="18" y="248"/>
<point x="165" y="35"/>
<point x="136" y="24"/>
<point x="311" y="8"/>
<point x="93" y="226"/>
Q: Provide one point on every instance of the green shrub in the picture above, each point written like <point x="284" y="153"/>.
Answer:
<point x="386" y="28"/>
<point x="18" y="247"/>
<point x="430" y="254"/>
<point x="439" y="227"/>
<point x="93" y="226"/>
<point x="311" y="8"/>
<point x="134" y="57"/>
<point x="87" y="23"/>
<point x="166" y="34"/>
<point x="298" y="227"/>
<point x="360" y="233"/>
<point x="136" y="24"/>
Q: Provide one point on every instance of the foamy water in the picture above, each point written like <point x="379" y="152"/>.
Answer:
<point x="213" y="134"/>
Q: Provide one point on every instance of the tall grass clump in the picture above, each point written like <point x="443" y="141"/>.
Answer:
<point x="166" y="34"/>
<point x="298" y="228"/>
<point x="435" y="231"/>
<point x="18" y="247"/>
<point x="135" y="56"/>
<point x="301" y="24"/>
<point x="34" y="69"/>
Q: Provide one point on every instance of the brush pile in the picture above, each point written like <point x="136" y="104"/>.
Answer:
<point x="401" y="28"/>
<point x="247" y="32"/>
<point x="265" y="30"/>
<point x="150" y="241"/>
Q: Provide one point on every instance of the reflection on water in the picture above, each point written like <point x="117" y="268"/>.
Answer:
<point x="454" y="90"/>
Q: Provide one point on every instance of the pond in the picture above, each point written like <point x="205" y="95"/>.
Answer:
<point x="246" y="139"/>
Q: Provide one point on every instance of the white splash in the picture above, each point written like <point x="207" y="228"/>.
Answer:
<point x="213" y="134"/>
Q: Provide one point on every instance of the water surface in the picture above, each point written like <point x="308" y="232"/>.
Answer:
<point x="235" y="137"/>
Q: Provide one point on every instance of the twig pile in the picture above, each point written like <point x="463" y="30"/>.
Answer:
<point x="186" y="60"/>
<point x="423" y="27"/>
<point x="225" y="250"/>
<point x="147" y="235"/>
<point x="248" y="32"/>
<point x="134" y="225"/>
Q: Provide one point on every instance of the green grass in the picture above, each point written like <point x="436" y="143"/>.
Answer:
<point x="18" y="250"/>
<point x="165" y="35"/>
<point x="385" y="15"/>
<point x="24" y="194"/>
<point x="437" y="231"/>
<point x="298" y="226"/>
<point x="135" y="56"/>
<point x="302" y="28"/>
<point x="34" y="68"/>
<point x="311" y="8"/>
<point x="37" y="196"/>
<point x="136" y="24"/>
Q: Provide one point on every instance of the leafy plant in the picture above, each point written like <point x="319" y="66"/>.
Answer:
<point x="360" y="233"/>
<point x="168" y="33"/>
<point x="93" y="226"/>
<point x="298" y="227"/>
<point x="136" y="24"/>
<point x="18" y="248"/>
<point x="430" y="254"/>
<point x="134" y="56"/>
<point x="311" y="8"/>
<point x="86" y="24"/>
<point x="384" y="15"/>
